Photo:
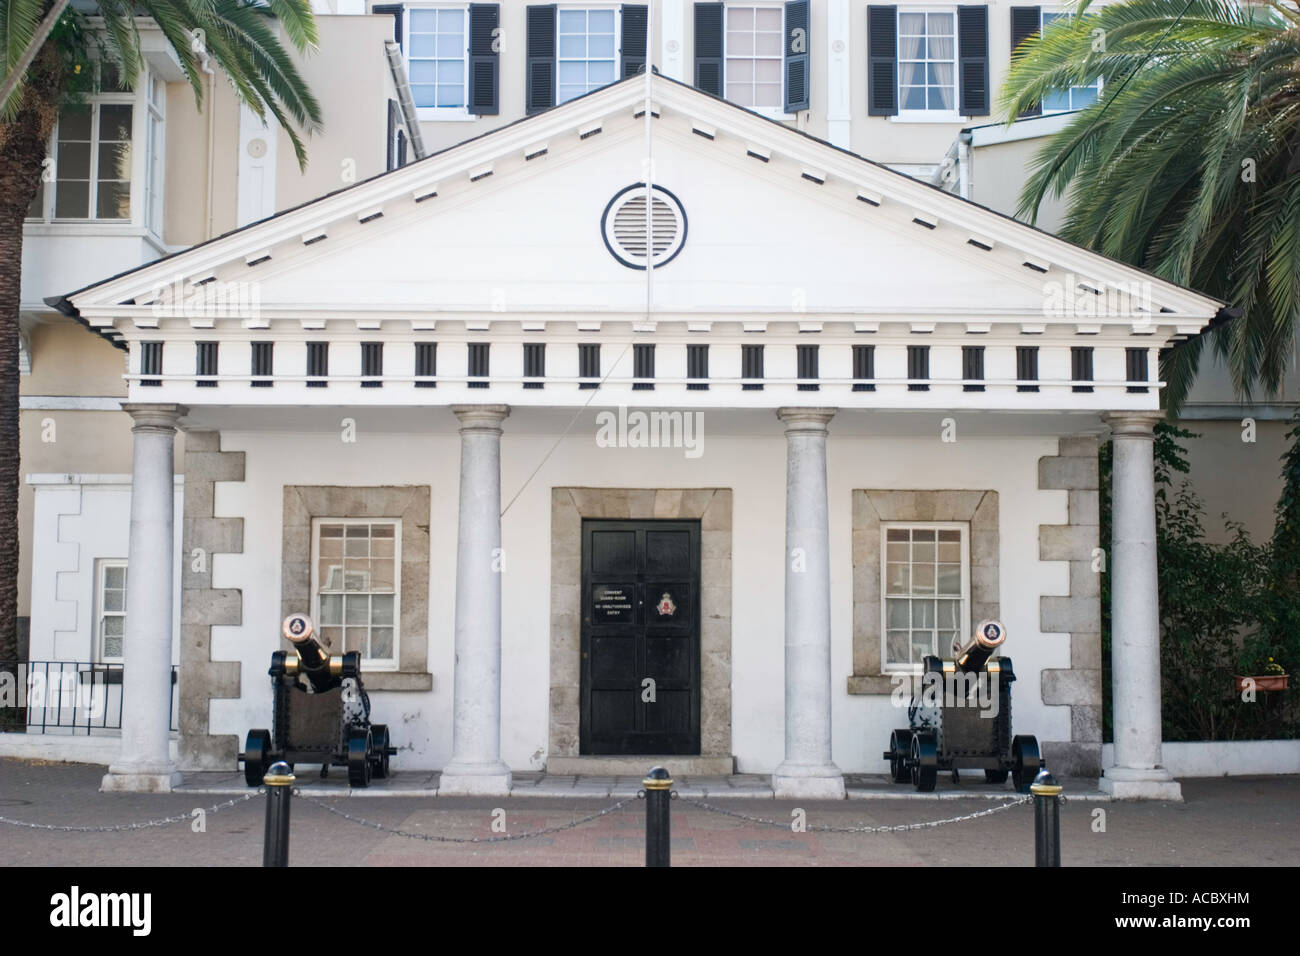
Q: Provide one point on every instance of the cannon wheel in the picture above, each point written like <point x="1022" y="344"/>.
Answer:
<point x="379" y="752"/>
<point x="995" y="776"/>
<point x="257" y="756"/>
<point x="1024" y="753"/>
<point x="359" y="747"/>
<point x="900" y="745"/>
<point x="925" y="761"/>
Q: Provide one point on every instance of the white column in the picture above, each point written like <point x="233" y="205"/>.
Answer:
<point x="807" y="770"/>
<point x="1135" y="615"/>
<point x="476" y="766"/>
<point x="145" y="763"/>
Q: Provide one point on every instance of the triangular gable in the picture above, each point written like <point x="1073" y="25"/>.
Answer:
<point x="976" y="261"/>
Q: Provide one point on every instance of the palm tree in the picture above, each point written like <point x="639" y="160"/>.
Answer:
<point x="1188" y="164"/>
<point x="238" y="36"/>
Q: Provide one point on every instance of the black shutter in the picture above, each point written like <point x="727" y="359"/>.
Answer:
<point x="318" y="363"/>
<point x="478" y="363"/>
<point x="1025" y="22"/>
<point x="484" y="63"/>
<point x="540" y="57"/>
<point x="643" y="367"/>
<point x="401" y="148"/>
<point x="697" y="366"/>
<point x="1027" y="367"/>
<point x="708" y="48"/>
<point x="1081" y="367"/>
<point x="797" y="59"/>
<point x="391" y="161"/>
<point x="205" y="364"/>
<point x="635" y="17"/>
<point x="918" y="367"/>
<point x="534" y="363"/>
<point x="882" y="61"/>
<point x="372" y="364"/>
<point x="395" y="11"/>
<point x="972" y="367"/>
<point x="751" y="366"/>
<point x="864" y="368"/>
<point x="426" y="363"/>
<point x="151" y="362"/>
<point x="1135" y="363"/>
<point x="589" y="365"/>
<point x="808" y="367"/>
<point x="973" y="62"/>
<point x="263" y="366"/>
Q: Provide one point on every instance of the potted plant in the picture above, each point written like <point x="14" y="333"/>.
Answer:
<point x="1269" y="676"/>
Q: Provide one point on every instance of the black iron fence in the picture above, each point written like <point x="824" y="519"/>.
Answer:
<point x="66" y="697"/>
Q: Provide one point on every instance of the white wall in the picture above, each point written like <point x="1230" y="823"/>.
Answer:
<point x="79" y="520"/>
<point x="754" y="467"/>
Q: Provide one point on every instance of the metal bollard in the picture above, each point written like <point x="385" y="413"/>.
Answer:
<point x="1047" y="819"/>
<point x="279" y="791"/>
<point x="658" y="794"/>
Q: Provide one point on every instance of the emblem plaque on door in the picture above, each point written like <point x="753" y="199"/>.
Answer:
<point x="666" y="607"/>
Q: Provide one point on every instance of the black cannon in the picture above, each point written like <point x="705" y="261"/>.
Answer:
<point x="321" y="713"/>
<point x="961" y="720"/>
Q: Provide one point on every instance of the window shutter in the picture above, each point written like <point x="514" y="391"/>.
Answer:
<point x="263" y="358"/>
<point x="973" y="50"/>
<point x="479" y="367"/>
<point x="391" y="159"/>
<point x="708" y="48"/>
<point x="1081" y="367"/>
<point x="864" y="368"/>
<point x="151" y="362"/>
<point x="540" y="56"/>
<point x="395" y="11"/>
<point x="751" y="366"/>
<point x="426" y="363"/>
<point x="797" y="57"/>
<point x="1025" y="22"/>
<point x="205" y="364"/>
<point x="643" y="367"/>
<point x="697" y="366"/>
<point x="882" y="61"/>
<point x="589" y="365"/>
<point x="484" y="63"/>
<point x="1135" y="365"/>
<point x="1027" y="367"/>
<point x="918" y="368"/>
<point x="972" y="367"/>
<point x="634" y="40"/>
<point x="807" y="366"/>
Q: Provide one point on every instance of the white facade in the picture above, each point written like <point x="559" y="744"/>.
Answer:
<point x="789" y="244"/>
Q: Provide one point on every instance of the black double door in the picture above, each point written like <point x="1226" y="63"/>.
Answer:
<point x="640" y="637"/>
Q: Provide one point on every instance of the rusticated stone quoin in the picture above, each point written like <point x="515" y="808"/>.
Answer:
<point x="202" y="606"/>
<point x="1073" y="469"/>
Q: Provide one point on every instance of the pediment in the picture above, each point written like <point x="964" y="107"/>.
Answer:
<point x="779" y="227"/>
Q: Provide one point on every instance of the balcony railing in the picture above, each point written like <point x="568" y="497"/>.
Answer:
<point x="66" y="697"/>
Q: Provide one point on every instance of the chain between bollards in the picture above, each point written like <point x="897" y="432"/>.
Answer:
<point x="1047" y="819"/>
<point x="658" y="827"/>
<point x="279" y="791"/>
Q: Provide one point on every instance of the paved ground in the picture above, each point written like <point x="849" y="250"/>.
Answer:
<point x="1230" y="822"/>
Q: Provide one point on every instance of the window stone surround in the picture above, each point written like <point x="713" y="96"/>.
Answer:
<point x="410" y="503"/>
<point x="712" y="508"/>
<point x="871" y="507"/>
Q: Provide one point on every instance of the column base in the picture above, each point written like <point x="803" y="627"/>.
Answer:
<point x="1129" y="783"/>
<point x="140" y="780"/>
<point x="801" y="781"/>
<point x="475" y="780"/>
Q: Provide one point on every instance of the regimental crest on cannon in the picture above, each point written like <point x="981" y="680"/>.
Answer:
<point x="320" y="713"/>
<point x="960" y="719"/>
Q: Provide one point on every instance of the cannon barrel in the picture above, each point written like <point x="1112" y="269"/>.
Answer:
<point x="988" y="637"/>
<point x="322" y="670"/>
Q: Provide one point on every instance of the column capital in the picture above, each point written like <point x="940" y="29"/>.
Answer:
<point x="1136" y="424"/>
<point x="155" y="417"/>
<point x="798" y="419"/>
<point x="481" y="418"/>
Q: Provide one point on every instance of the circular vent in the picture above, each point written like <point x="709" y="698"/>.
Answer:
<point x="624" y="226"/>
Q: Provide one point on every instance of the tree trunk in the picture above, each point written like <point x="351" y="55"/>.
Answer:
<point x="22" y="150"/>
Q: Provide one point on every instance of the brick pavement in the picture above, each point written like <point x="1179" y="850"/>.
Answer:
<point x="1231" y="821"/>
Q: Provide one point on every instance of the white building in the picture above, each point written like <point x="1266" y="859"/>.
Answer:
<point x="882" y="406"/>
